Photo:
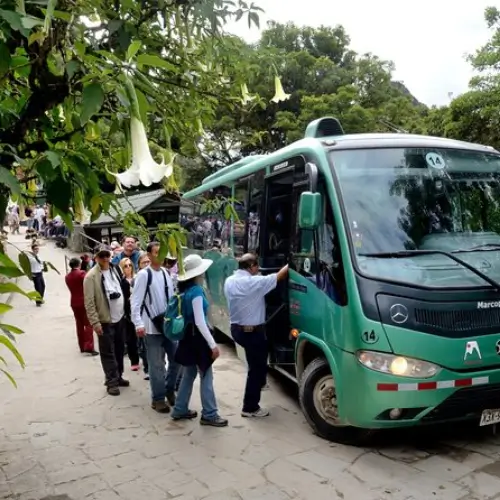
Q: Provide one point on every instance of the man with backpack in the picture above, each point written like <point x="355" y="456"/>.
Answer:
<point x="152" y="290"/>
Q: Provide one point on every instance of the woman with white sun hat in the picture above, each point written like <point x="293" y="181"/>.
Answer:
<point x="197" y="350"/>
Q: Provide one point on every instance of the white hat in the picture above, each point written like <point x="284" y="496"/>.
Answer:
<point x="194" y="266"/>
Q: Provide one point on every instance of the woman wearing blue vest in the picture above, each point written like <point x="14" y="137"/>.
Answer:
<point x="197" y="350"/>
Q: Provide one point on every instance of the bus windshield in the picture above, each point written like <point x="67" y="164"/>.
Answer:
<point x="402" y="199"/>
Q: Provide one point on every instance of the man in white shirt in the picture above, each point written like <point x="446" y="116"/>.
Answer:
<point x="104" y="304"/>
<point x="245" y="292"/>
<point x="152" y="289"/>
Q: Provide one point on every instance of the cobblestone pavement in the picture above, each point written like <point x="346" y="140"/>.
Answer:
<point x="62" y="437"/>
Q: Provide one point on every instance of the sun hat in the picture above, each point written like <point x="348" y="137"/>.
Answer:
<point x="194" y="266"/>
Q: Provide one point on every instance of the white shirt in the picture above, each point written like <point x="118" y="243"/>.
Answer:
<point x="245" y="294"/>
<point x="36" y="265"/>
<point x="201" y="322"/>
<point x="156" y="301"/>
<point x="111" y="284"/>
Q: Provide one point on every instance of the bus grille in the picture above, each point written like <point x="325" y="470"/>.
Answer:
<point x="467" y="402"/>
<point x="458" y="320"/>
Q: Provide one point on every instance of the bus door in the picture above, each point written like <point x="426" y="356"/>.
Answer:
<point x="278" y="228"/>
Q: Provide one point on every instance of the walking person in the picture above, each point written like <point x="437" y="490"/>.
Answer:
<point x="197" y="350"/>
<point x="105" y="306"/>
<point x="245" y="292"/>
<point x="84" y="332"/>
<point x="37" y="270"/>
<point x="127" y="269"/>
<point x="152" y="290"/>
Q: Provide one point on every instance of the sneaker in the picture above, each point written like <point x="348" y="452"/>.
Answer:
<point x="260" y="413"/>
<point x="123" y="383"/>
<point x="188" y="416"/>
<point x="160" y="406"/>
<point x="113" y="391"/>
<point x="146" y="377"/>
<point x="135" y="368"/>
<point x="214" y="422"/>
<point x="171" y="398"/>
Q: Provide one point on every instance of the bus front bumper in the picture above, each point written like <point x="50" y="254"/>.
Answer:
<point x="372" y="400"/>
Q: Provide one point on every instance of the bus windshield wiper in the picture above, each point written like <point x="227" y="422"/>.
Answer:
<point x="486" y="247"/>
<point x="413" y="253"/>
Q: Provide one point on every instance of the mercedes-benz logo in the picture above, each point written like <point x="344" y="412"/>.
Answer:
<point x="498" y="347"/>
<point x="399" y="313"/>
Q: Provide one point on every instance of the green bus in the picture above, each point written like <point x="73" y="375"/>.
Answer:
<point x="391" y="314"/>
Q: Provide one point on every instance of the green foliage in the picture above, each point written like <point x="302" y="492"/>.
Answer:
<point x="324" y="77"/>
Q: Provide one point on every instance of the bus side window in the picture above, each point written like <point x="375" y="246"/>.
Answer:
<point x="255" y="208"/>
<point x="238" y="226"/>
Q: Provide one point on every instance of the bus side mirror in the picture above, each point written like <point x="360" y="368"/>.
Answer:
<point x="310" y="210"/>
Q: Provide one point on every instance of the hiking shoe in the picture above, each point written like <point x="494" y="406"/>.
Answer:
<point x="214" y="422"/>
<point x="171" y="398"/>
<point x="260" y="413"/>
<point x="160" y="406"/>
<point x="113" y="391"/>
<point x="187" y="416"/>
<point x="123" y="383"/>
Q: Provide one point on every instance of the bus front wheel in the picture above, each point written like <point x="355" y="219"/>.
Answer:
<point x="318" y="400"/>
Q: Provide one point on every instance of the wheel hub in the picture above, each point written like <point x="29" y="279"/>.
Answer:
<point x="325" y="400"/>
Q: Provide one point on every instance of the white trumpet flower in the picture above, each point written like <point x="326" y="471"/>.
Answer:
<point x="279" y="93"/>
<point x="246" y="97"/>
<point x="144" y="169"/>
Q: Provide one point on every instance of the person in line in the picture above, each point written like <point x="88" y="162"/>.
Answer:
<point x="84" y="332"/>
<point x="245" y="292"/>
<point x="144" y="262"/>
<point x="105" y="306"/>
<point x="127" y="269"/>
<point x="37" y="270"/>
<point x="197" y="350"/>
<point x="130" y="251"/>
<point x="152" y="289"/>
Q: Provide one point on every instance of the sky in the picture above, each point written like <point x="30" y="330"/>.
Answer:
<point x="427" y="39"/>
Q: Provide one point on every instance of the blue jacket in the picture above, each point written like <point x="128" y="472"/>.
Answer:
<point x="134" y="258"/>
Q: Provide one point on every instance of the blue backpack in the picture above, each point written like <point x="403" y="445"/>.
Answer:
<point x="173" y="323"/>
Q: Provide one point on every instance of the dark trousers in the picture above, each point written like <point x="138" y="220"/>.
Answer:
<point x="84" y="331"/>
<point x="39" y="284"/>
<point x="111" y="350"/>
<point x="131" y="341"/>
<point x="143" y="353"/>
<point x="255" y="345"/>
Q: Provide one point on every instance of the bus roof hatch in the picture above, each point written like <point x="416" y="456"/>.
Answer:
<point x="324" y="127"/>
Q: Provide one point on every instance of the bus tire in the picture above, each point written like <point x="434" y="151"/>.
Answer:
<point x="315" y="386"/>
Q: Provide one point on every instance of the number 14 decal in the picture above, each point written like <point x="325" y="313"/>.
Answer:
<point x="369" y="337"/>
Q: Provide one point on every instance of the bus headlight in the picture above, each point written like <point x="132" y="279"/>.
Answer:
<point x="397" y="365"/>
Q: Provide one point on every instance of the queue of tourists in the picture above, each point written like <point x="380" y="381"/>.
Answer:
<point x="126" y="298"/>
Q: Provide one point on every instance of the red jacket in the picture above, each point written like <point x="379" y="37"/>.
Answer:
<point x="74" y="281"/>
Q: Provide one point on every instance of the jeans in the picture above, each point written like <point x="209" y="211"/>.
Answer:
<point x="111" y="350"/>
<point x="208" y="402"/>
<point x="39" y="284"/>
<point x="161" y="380"/>
<point x="256" y="351"/>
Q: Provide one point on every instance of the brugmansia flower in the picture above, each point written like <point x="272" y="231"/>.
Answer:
<point x="279" y="93"/>
<point x="144" y="169"/>
<point x="80" y="214"/>
<point x="246" y="97"/>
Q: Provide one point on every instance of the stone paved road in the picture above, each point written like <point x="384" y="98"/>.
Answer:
<point x="60" y="434"/>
